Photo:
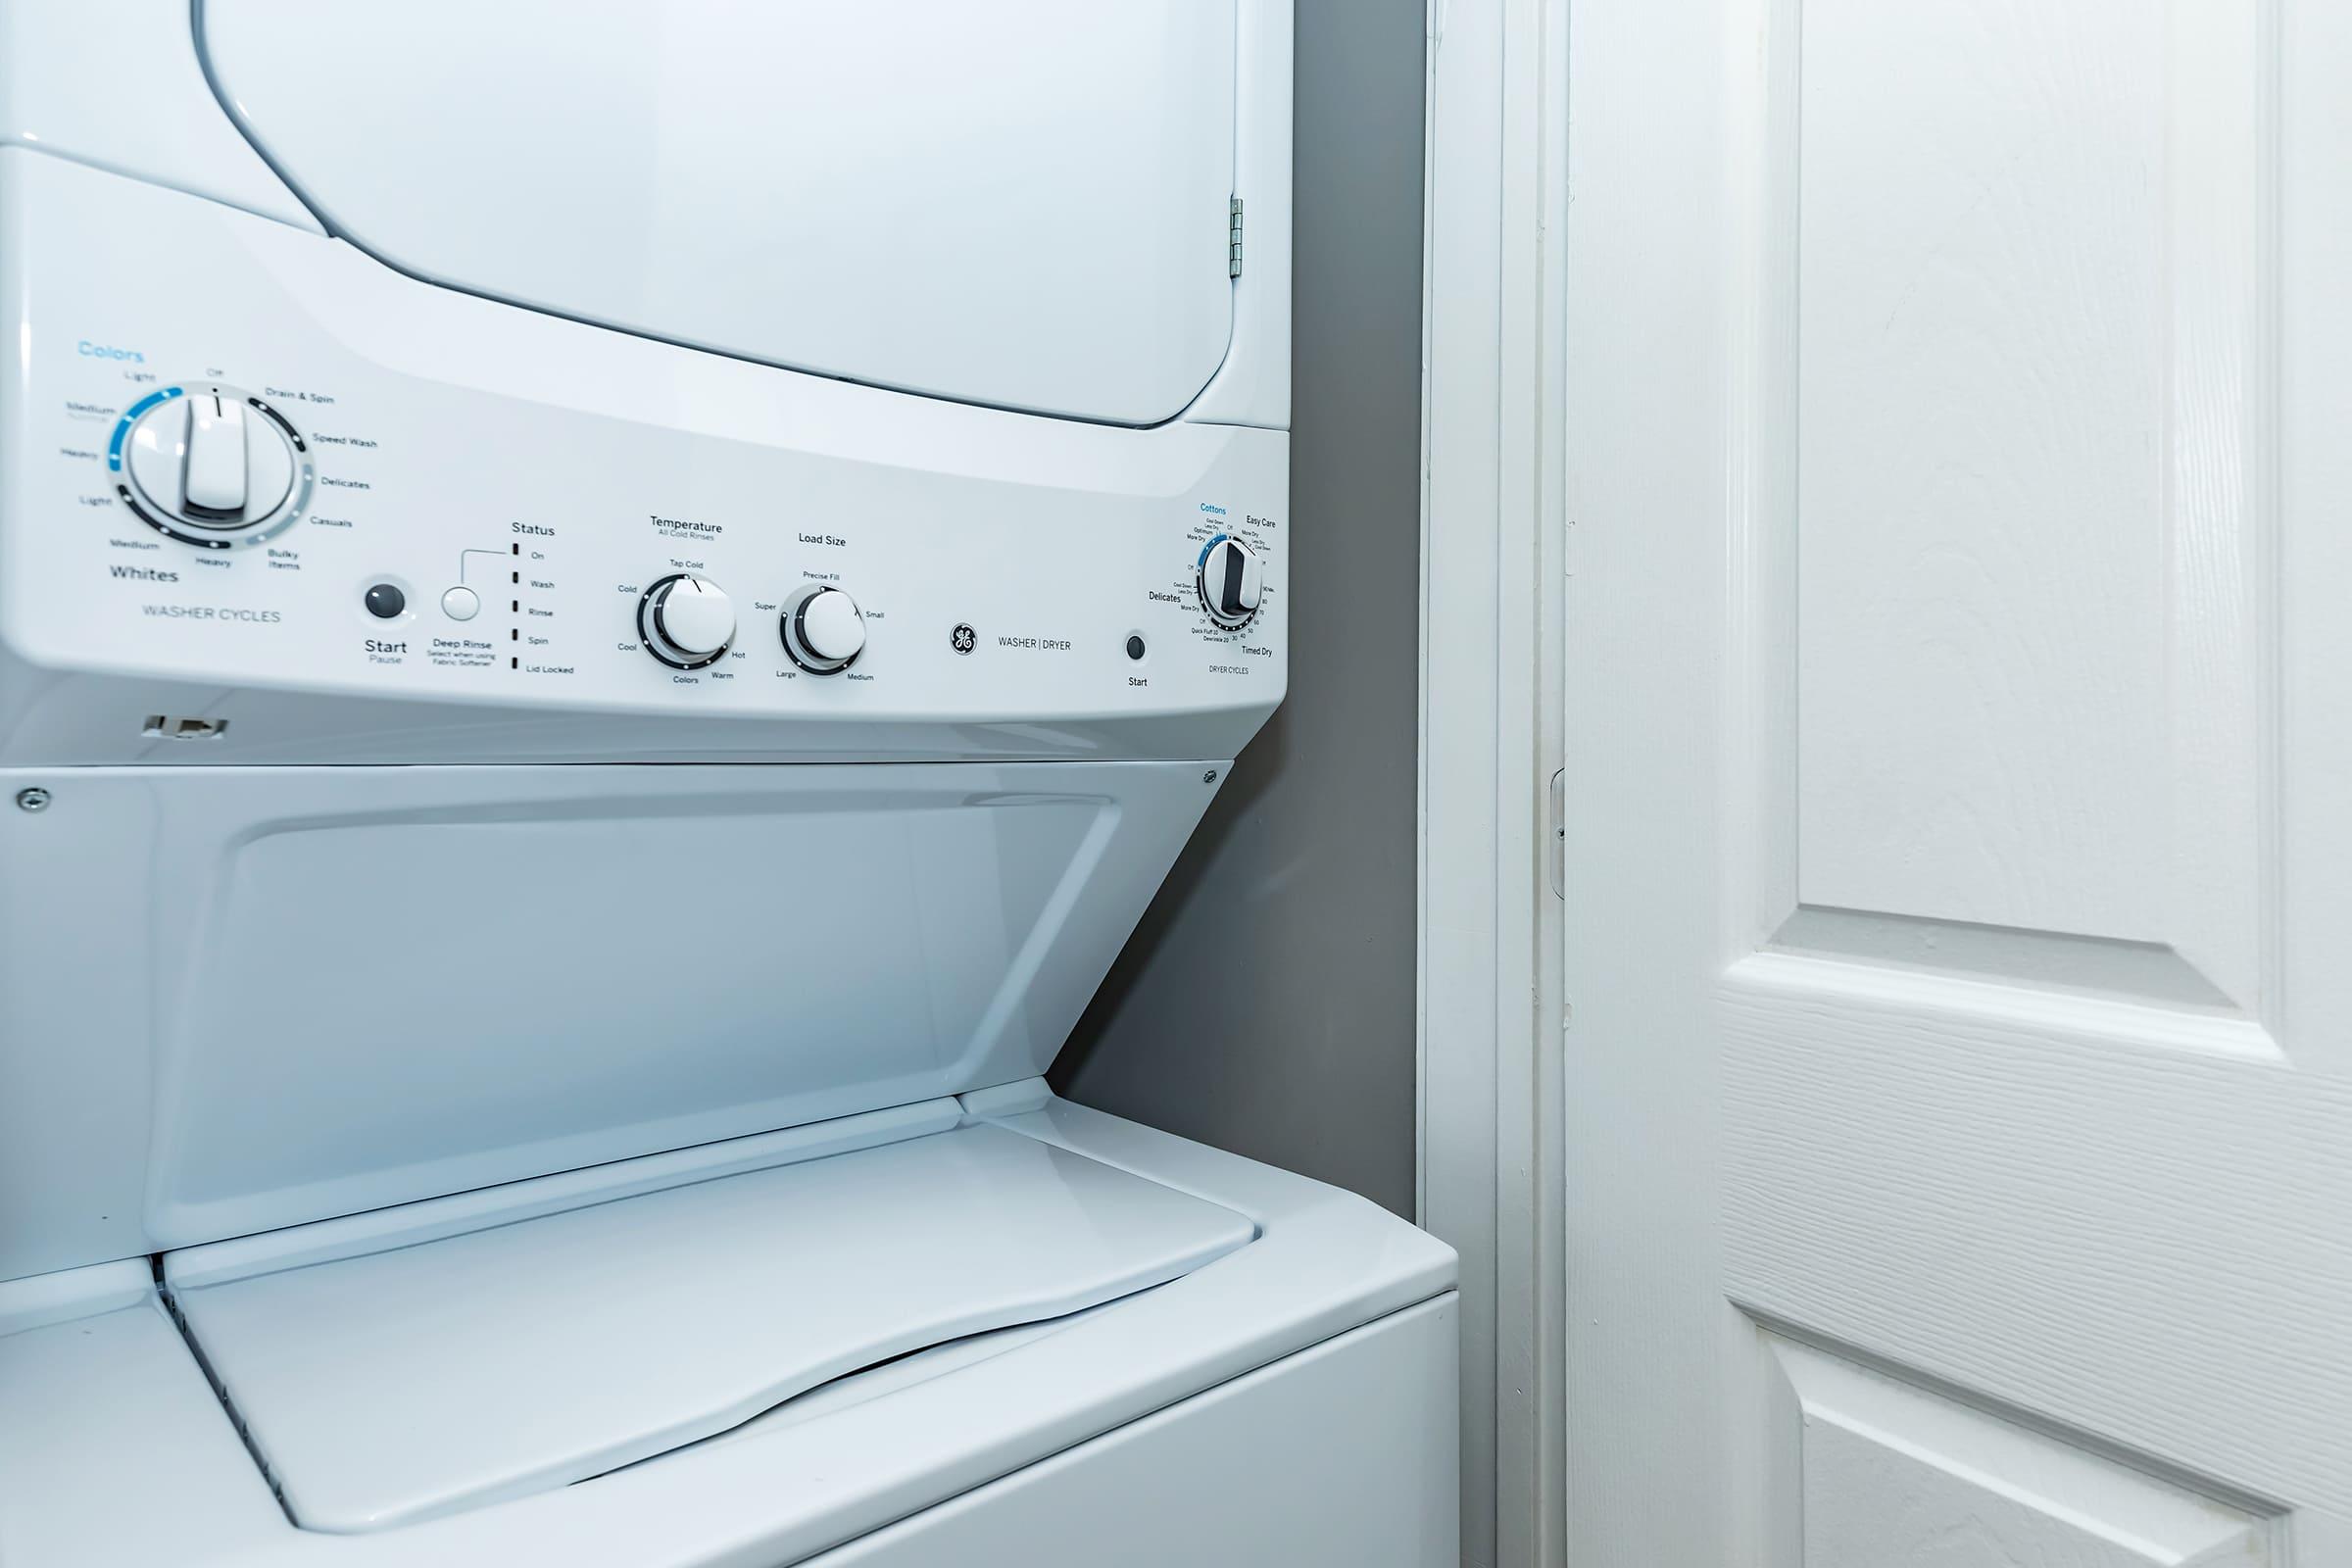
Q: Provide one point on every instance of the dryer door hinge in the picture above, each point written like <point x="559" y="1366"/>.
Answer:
<point x="1233" y="241"/>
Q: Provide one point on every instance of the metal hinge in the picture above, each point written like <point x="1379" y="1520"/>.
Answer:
<point x="1558" y="858"/>
<point x="1233" y="241"/>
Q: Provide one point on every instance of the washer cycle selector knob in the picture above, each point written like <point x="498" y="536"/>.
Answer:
<point x="823" y="629"/>
<point x="1232" y="581"/>
<point x="686" y="622"/>
<point x="208" y="464"/>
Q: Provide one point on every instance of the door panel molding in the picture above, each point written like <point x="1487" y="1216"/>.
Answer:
<point x="2060" y="960"/>
<point x="1891" y="615"/>
<point x="1892" y="1471"/>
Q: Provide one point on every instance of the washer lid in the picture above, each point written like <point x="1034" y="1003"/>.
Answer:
<point x="1022" y="204"/>
<point x="398" y="1385"/>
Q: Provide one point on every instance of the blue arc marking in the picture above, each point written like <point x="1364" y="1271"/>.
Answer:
<point x="114" y="448"/>
<point x="1202" y="562"/>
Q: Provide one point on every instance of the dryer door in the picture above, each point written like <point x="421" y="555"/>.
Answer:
<point x="1022" y="204"/>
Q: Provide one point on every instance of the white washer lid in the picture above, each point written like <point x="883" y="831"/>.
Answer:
<point x="393" y="1387"/>
<point x="1023" y="203"/>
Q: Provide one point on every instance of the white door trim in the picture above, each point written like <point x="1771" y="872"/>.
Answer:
<point x="1489" y="1031"/>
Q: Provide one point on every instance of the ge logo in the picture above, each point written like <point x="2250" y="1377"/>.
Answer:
<point x="964" y="639"/>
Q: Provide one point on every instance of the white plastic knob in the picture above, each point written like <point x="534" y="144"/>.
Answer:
<point x="695" y="616"/>
<point x="214" y="474"/>
<point x="832" y="627"/>
<point x="824" y="630"/>
<point x="1231" y="582"/>
<point x="206" y="460"/>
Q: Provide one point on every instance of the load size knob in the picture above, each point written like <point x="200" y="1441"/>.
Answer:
<point x="1232" y="581"/>
<point x="686" y="622"/>
<point x="823" y="629"/>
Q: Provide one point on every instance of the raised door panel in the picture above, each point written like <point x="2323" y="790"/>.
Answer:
<point x="1960" y="708"/>
<point x="2032" y="517"/>
<point x="1894" y="1474"/>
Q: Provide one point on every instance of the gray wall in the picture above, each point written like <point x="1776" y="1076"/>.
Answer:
<point x="1265" y="1003"/>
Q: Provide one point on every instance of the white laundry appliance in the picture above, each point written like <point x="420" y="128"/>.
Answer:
<point x="607" y="616"/>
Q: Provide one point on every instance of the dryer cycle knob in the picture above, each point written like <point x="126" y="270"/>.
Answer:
<point x="686" y="622"/>
<point x="823" y="629"/>
<point x="1232" y="581"/>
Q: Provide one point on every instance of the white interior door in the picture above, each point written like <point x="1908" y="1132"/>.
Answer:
<point x="1959" y="448"/>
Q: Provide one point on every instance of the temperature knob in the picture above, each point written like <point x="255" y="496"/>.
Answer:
<point x="686" y="622"/>
<point x="1232" y="581"/>
<point x="823" y="630"/>
<point x="209" y="465"/>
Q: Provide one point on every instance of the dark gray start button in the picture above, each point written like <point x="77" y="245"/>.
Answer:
<point x="384" y="601"/>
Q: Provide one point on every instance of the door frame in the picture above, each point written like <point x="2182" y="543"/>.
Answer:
<point x="1488" y="1028"/>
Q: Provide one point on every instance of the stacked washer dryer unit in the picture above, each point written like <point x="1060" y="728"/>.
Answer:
<point x="429" y="1133"/>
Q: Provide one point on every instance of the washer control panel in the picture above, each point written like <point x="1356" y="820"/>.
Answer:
<point x="337" y="479"/>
